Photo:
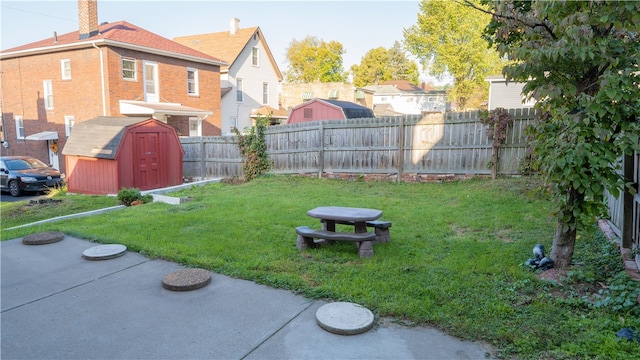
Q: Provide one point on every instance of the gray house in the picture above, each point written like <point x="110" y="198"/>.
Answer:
<point x="506" y="95"/>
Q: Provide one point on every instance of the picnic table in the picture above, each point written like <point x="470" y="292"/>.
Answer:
<point x="329" y="216"/>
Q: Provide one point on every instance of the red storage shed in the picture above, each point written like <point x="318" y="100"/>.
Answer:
<point x="323" y="109"/>
<point x="106" y="154"/>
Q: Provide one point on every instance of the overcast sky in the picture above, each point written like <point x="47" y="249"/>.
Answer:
<point x="358" y="25"/>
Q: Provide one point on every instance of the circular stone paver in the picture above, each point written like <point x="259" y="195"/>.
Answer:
<point x="186" y="279"/>
<point x="48" y="237"/>
<point x="104" y="252"/>
<point x="344" y="318"/>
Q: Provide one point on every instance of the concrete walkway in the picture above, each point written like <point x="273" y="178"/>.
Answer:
<point x="58" y="305"/>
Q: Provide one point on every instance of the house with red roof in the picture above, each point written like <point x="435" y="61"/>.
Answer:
<point x="108" y="70"/>
<point x="250" y="82"/>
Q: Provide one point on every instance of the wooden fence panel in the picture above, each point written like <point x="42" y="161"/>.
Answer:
<point x="452" y="143"/>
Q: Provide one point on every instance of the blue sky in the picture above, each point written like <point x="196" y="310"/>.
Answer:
<point x="359" y="25"/>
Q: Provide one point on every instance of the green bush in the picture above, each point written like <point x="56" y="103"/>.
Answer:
<point x="126" y="196"/>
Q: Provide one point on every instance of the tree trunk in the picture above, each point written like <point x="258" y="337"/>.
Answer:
<point x="563" y="245"/>
<point x="564" y="241"/>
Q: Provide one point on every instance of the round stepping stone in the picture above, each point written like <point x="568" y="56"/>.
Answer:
<point x="186" y="279"/>
<point x="43" y="238"/>
<point x="104" y="252"/>
<point x="344" y="318"/>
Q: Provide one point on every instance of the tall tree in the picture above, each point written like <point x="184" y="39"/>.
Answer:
<point x="380" y="65"/>
<point x="313" y="59"/>
<point x="580" y="60"/>
<point x="447" y="39"/>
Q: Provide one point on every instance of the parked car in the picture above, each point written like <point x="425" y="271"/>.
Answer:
<point x="25" y="173"/>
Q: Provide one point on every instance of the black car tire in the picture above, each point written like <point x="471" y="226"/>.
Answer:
<point x="14" y="188"/>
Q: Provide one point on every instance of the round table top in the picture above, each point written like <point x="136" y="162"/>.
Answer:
<point x="344" y="213"/>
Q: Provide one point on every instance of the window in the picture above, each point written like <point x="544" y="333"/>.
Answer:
<point x="19" y="127"/>
<point x="333" y="94"/>
<point x="239" y="93"/>
<point x="307" y="96"/>
<point x="69" y="121"/>
<point x="48" y="94"/>
<point x="265" y="93"/>
<point x="192" y="81"/>
<point x="432" y="99"/>
<point x="151" y="82"/>
<point x="65" y="69"/>
<point x="129" y="69"/>
<point x="195" y="127"/>
<point x="409" y="99"/>
<point x="233" y="122"/>
<point x="255" y="56"/>
<point x="308" y="113"/>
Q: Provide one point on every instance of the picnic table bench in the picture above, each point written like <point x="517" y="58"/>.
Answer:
<point x="329" y="216"/>
<point x="381" y="228"/>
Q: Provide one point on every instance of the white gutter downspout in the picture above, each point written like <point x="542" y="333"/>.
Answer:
<point x="104" y="100"/>
<point x="200" y="124"/>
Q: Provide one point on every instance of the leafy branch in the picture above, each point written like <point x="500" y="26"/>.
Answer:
<point x="254" y="149"/>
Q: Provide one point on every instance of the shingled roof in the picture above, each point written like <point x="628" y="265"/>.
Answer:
<point x="227" y="46"/>
<point x="119" y="34"/>
<point x="99" y="137"/>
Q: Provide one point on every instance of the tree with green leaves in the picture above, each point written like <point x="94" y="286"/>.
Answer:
<point x="313" y="59"/>
<point x="379" y="65"/>
<point x="580" y="61"/>
<point x="447" y="39"/>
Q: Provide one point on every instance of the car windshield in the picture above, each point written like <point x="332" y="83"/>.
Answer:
<point x="25" y="164"/>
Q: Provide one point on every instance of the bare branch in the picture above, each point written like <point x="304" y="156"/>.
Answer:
<point x="534" y="25"/>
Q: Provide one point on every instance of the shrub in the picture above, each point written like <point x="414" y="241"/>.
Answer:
<point x="126" y="196"/>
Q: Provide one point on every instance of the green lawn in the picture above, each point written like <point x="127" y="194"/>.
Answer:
<point x="454" y="260"/>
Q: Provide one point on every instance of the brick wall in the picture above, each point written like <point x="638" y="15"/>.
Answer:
<point x="81" y="97"/>
<point x="291" y="94"/>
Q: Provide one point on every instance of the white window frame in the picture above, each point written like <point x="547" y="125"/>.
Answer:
<point x="151" y="79"/>
<point x="255" y="56"/>
<point x="47" y="94"/>
<point x="239" y="92"/>
<point x="65" y="69"/>
<point x="265" y="93"/>
<point x="69" y="122"/>
<point x="192" y="83"/>
<point x="19" y="127"/>
<point x="134" y="70"/>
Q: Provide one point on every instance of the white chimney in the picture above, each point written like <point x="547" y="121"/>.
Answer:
<point x="234" y="26"/>
<point x="87" y="18"/>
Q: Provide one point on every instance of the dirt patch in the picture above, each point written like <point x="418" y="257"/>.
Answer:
<point x="233" y="181"/>
<point x="553" y="274"/>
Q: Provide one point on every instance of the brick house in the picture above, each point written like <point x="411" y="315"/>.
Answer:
<point x="109" y="69"/>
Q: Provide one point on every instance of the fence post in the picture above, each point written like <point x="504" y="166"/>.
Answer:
<point x="202" y="159"/>
<point x="321" y="152"/>
<point x="400" y="148"/>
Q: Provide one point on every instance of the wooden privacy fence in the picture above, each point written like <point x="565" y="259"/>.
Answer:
<point x="447" y="144"/>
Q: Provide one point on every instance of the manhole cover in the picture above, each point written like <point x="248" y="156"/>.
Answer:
<point x="344" y="318"/>
<point x="104" y="252"/>
<point x="186" y="279"/>
<point x="43" y="238"/>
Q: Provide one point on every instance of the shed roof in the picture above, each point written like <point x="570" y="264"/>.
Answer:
<point x="351" y="110"/>
<point x="99" y="137"/>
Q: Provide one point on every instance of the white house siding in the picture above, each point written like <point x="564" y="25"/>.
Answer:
<point x="506" y="95"/>
<point x="252" y="77"/>
<point x="412" y="103"/>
